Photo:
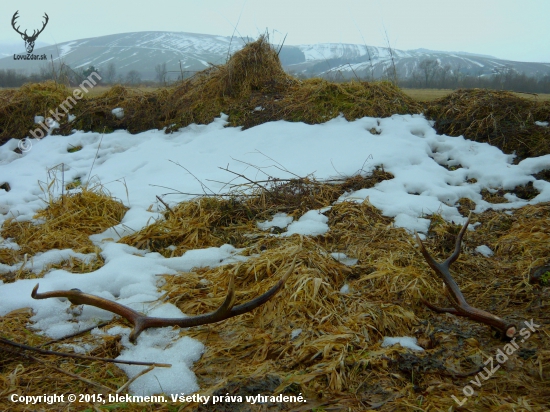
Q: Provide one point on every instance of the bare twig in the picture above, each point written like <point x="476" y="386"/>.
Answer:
<point x="72" y="335"/>
<point x="143" y="372"/>
<point x="105" y="389"/>
<point x="166" y="205"/>
<point x="74" y="355"/>
<point x="246" y="178"/>
<point x="196" y="178"/>
<point x="96" y="153"/>
<point x="282" y="44"/>
<point x="284" y="169"/>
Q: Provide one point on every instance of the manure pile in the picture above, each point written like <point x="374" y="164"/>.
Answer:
<point x="252" y="88"/>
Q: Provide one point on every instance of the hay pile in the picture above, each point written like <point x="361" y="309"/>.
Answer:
<point x="318" y="100"/>
<point x="252" y="88"/>
<point x="214" y="221"/>
<point x="18" y="107"/>
<point x="318" y="339"/>
<point x="141" y="111"/>
<point x="499" y="118"/>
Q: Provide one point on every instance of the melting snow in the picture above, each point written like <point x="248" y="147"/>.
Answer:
<point x="405" y="341"/>
<point x="133" y="167"/>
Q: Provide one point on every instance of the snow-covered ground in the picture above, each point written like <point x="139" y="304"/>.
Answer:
<point x="136" y="168"/>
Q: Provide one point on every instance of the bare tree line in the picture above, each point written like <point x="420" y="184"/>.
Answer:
<point x="432" y="75"/>
<point x="428" y="74"/>
<point x="109" y="75"/>
<point x="63" y="73"/>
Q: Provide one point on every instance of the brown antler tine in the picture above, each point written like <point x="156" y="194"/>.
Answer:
<point x="443" y="269"/>
<point x="461" y="307"/>
<point x="439" y="309"/>
<point x="260" y="300"/>
<point x="239" y="309"/>
<point x="141" y="322"/>
<point x="458" y="244"/>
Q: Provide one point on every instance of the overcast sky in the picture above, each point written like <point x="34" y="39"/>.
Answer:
<point x="508" y="29"/>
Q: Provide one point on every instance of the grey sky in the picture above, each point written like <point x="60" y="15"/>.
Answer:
<point x="507" y="29"/>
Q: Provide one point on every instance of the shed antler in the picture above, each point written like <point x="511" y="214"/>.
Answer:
<point x="460" y="306"/>
<point x="141" y="322"/>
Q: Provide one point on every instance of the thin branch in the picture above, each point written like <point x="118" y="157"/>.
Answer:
<point x="284" y="169"/>
<point x="72" y="335"/>
<point x="246" y="178"/>
<point x="96" y="153"/>
<point x="282" y="44"/>
<point x="72" y="375"/>
<point x="258" y="168"/>
<point x="74" y="355"/>
<point x="357" y="77"/>
<point x="166" y="205"/>
<point x="143" y="372"/>
<point x="177" y="192"/>
<point x="196" y="178"/>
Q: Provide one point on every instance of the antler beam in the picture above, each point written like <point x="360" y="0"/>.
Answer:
<point x="141" y="322"/>
<point x="460" y="306"/>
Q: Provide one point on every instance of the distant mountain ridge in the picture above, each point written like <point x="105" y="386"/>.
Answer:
<point x="191" y="52"/>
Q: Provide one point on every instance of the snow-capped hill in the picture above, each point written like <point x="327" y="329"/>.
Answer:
<point x="350" y="60"/>
<point x="140" y="51"/>
<point x="191" y="52"/>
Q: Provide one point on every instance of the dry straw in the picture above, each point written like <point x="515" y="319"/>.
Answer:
<point x="66" y="223"/>
<point x="499" y="118"/>
<point x="314" y="337"/>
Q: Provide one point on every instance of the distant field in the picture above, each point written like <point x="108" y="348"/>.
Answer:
<point x="425" y="95"/>
<point x="97" y="90"/>
<point x="433" y="94"/>
<point x="417" y="94"/>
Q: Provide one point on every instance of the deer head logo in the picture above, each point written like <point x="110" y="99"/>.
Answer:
<point x="29" y="40"/>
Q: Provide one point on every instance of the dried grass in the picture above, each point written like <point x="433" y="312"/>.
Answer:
<point x="337" y="361"/>
<point x="499" y="118"/>
<point x="66" y="223"/>
<point x="19" y="107"/>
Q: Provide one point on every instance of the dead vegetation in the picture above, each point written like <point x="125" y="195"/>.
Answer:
<point x="252" y="88"/>
<point x="66" y="223"/>
<point x="499" y="118"/>
<point x="314" y="337"/>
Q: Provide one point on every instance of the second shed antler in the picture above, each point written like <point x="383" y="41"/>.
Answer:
<point x="141" y="322"/>
<point x="460" y="306"/>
